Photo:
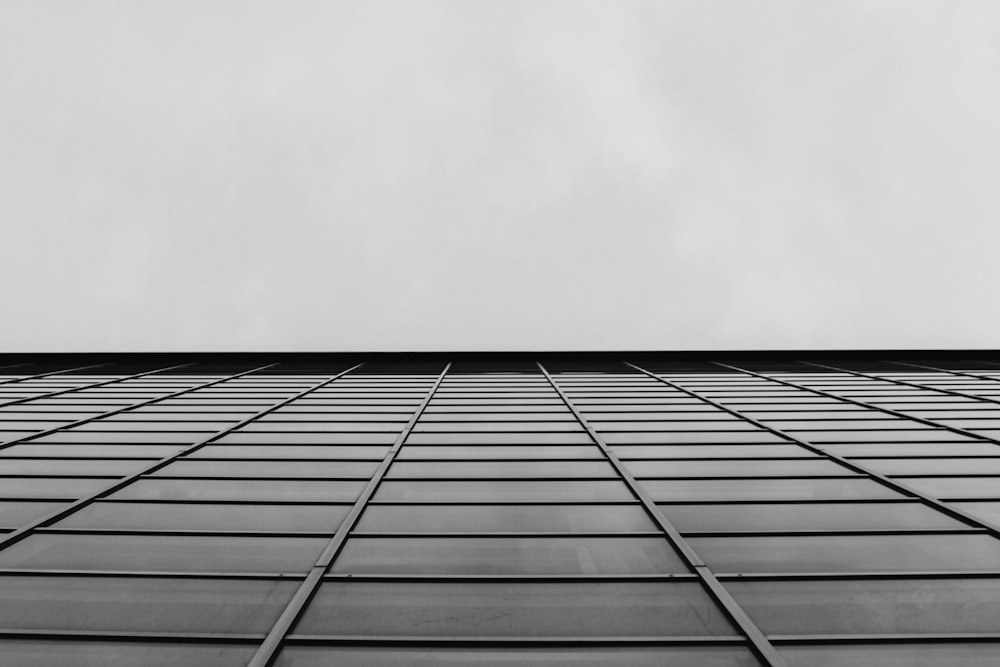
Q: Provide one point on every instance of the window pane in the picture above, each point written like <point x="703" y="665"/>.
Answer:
<point x="57" y="451"/>
<point x="955" y="487"/>
<point x="541" y="555"/>
<point x="52" y="653"/>
<point x="163" y="553"/>
<point x="709" y="451"/>
<point x="241" y="489"/>
<point x="375" y="452"/>
<point x="850" y="553"/>
<point x="460" y="469"/>
<point x="524" y="491"/>
<point x="808" y="516"/>
<point x="505" y="518"/>
<point x="136" y="604"/>
<point x="499" y="438"/>
<point x="51" y="487"/>
<point x="782" y="468"/>
<point x="942" y="466"/>
<point x="14" y="514"/>
<point x="414" y="452"/>
<point x="649" y="656"/>
<point x="872" y="606"/>
<point x="108" y="467"/>
<point x="201" y="516"/>
<point x="893" y="655"/>
<point x="513" y="609"/>
<point x="332" y="469"/>
<point x="766" y="489"/>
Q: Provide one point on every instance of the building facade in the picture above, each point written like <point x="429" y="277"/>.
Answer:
<point x="416" y="509"/>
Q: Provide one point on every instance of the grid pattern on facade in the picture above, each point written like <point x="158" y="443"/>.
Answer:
<point x="556" y="510"/>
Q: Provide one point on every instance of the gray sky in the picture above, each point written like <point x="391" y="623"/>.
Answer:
<point x="292" y="175"/>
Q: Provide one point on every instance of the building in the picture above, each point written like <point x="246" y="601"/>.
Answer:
<point x="415" y="509"/>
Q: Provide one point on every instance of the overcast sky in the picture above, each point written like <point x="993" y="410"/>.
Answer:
<point x="293" y="175"/>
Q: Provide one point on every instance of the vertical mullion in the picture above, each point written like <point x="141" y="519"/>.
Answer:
<point x="124" y="408"/>
<point x="893" y="484"/>
<point x="27" y="529"/>
<point x="758" y="641"/>
<point x="865" y="404"/>
<point x="267" y="652"/>
<point x="59" y="392"/>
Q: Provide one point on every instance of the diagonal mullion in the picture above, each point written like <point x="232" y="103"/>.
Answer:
<point x="93" y="385"/>
<point x="27" y="529"/>
<point x="115" y="411"/>
<point x="884" y="480"/>
<point x="267" y="652"/>
<point x="907" y="383"/>
<point x="977" y="376"/>
<point x="47" y="374"/>
<point x="758" y="641"/>
<point x="866" y="404"/>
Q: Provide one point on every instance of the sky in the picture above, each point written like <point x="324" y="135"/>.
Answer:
<point x="499" y="175"/>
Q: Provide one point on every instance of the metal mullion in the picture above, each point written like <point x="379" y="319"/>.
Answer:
<point x="267" y="652"/>
<point x="896" y="413"/>
<point x="741" y="620"/>
<point x="907" y="383"/>
<point x="125" y="408"/>
<point x="884" y="480"/>
<point x="42" y="375"/>
<point x="27" y="529"/>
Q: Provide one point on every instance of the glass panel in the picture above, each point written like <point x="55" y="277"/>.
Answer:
<point x="647" y="656"/>
<point x="52" y="653"/>
<point x="987" y="511"/>
<point x="185" y="438"/>
<point x="136" y="604"/>
<point x="691" y="437"/>
<point x="317" y="469"/>
<point x="942" y="466"/>
<point x="539" y="555"/>
<point x="14" y="514"/>
<point x="163" y="553"/>
<point x="240" y="489"/>
<point x="850" y="553"/>
<point x="505" y="609"/>
<point x="51" y="487"/>
<point x="505" y="519"/>
<point x="308" y="439"/>
<point x="375" y="452"/>
<point x="201" y="516"/>
<point x="472" y="469"/>
<point x="766" y="489"/>
<point x="709" y="451"/>
<point x="108" y="467"/>
<point x="808" y="516"/>
<point x="499" y="438"/>
<point x="893" y="655"/>
<point x="781" y="468"/>
<point x="523" y="491"/>
<point x="430" y="452"/>
<point x="969" y="448"/>
<point x="56" y="451"/>
<point x="871" y="606"/>
<point x="955" y="487"/>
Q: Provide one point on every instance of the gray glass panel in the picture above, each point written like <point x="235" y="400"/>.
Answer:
<point x="808" y="516"/>
<point x="109" y="467"/>
<point x="524" y="491"/>
<point x="14" y="514"/>
<point x="934" y="466"/>
<point x="331" y="469"/>
<point x="56" y="653"/>
<point x="988" y="511"/>
<point x="186" y="438"/>
<point x="966" y="448"/>
<point x="505" y="518"/>
<point x="929" y="434"/>
<point x="780" y="468"/>
<point x="872" y="606"/>
<point x="850" y="553"/>
<point x="709" y="451"/>
<point x="498" y="438"/>
<point x="136" y="604"/>
<point x="509" y="555"/>
<point x="691" y="437"/>
<point x="51" y="487"/>
<point x="766" y="489"/>
<point x="650" y="656"/>
<point x="163" y="553"/>
<point x="513" y="609"/>
<point x="376" y="452"/>
<point x="308" y="438"/>
<point x="179" y="516"/>
<point x="430" y="452"/>
<point x="955" y="487"/>
<point x="473" y="469"/>
<point x="58" y="451"/>
<point x="893" y="655"/>
<point x="241" y="489"/>
<point x="497" y="427"/>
